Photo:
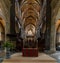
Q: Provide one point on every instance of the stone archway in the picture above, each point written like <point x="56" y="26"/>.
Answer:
<point x="58" y="33"/>
<point x="2" y="32"/>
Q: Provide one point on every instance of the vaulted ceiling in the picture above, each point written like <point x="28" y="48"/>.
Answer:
<point x="30" y="10"/>
<point x="30" y="13"/>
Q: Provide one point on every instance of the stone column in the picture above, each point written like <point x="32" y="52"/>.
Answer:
<point x="12" y="17"/>
<point x="53" y="24"/>
<point x="48" y="25"/>
<point x="51" y="31"/>
<point x="53" y="37"/>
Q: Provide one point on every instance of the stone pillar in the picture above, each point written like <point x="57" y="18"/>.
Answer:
<point x="55" y="7"/>
<point x="22" y="32"/>
<point x="12" y="17"/>
<point x="38" y="32"/>
<point x="50" y="29"/>
<point x="53" y="37"/>
<point x="48" y="25"/>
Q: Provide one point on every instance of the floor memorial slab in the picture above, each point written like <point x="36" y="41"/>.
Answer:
<point x="18" y="58"/>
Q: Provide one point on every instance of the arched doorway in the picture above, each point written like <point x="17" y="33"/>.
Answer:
<point x="2" y="32"/>
<point x="58" y="35"/>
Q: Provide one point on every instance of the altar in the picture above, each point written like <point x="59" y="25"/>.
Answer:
<point x="30" y="52"/>
<point x="30" y="47"/>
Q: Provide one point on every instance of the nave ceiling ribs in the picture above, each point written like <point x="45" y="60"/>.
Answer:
<point x="30" y="12"/>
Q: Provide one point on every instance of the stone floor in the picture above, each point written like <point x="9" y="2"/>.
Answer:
<point x="56" y="55"/>
<point x="18" y="58"/>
